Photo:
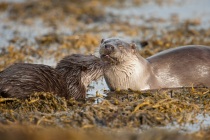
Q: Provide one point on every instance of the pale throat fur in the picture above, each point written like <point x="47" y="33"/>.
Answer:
<point x="128" y="74"/>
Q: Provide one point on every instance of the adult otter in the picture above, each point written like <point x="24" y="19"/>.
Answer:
<point x="178" y="67"/>
<point x="69" y="79"/>
<point x="79" y="71"/>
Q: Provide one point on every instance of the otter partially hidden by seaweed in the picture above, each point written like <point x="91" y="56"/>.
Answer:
<point x="69" y="79"/>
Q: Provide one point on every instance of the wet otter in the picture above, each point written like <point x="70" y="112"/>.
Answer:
<point x="69" y="79"/>
<point x="178" y="67"/>
<point x="79" y="71"/>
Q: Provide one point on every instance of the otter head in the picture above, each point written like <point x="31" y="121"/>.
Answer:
<point x="123" y="66"/>
<point x="116" y="51"/>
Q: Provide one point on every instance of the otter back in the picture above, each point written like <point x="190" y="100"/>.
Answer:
<point x="21" y="80"/>
<point x="185" y="66"/>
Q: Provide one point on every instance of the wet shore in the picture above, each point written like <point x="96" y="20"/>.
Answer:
<point x="44" y="32"/>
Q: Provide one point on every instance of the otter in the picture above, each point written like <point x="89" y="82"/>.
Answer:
<point x="124" y="69"/>
<point x="79" y="71"/>
<point x="69" y="79"/>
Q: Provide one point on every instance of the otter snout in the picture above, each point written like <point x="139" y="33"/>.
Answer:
<point x="106" y="49"/>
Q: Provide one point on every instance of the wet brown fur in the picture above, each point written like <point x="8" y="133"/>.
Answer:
<point x="69" y="79"/>
<point x="22" y="79"/>
<point x="78" y="71"/>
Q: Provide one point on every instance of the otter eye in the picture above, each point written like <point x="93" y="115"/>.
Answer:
<point x="102" y="40"/>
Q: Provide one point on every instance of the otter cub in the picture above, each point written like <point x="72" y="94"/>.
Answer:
<point x="178" y="67"/>
<point x="69" y="79"/>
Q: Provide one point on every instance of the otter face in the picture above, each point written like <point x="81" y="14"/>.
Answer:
<point x="123" y="68"/>
<point x="115" y="50"/>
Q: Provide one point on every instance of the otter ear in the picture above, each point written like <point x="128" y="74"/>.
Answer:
<point x="102" y="40"/>
<point x="133" y="47"/>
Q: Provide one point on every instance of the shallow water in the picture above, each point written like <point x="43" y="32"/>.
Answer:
<point x="136" y="15"/>
<point x="11" y="29"/>
<point x="181" y="10"/>
<point x="98" y="87"/>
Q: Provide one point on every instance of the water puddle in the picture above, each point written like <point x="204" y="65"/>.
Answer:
<point x="97" y="87"/>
